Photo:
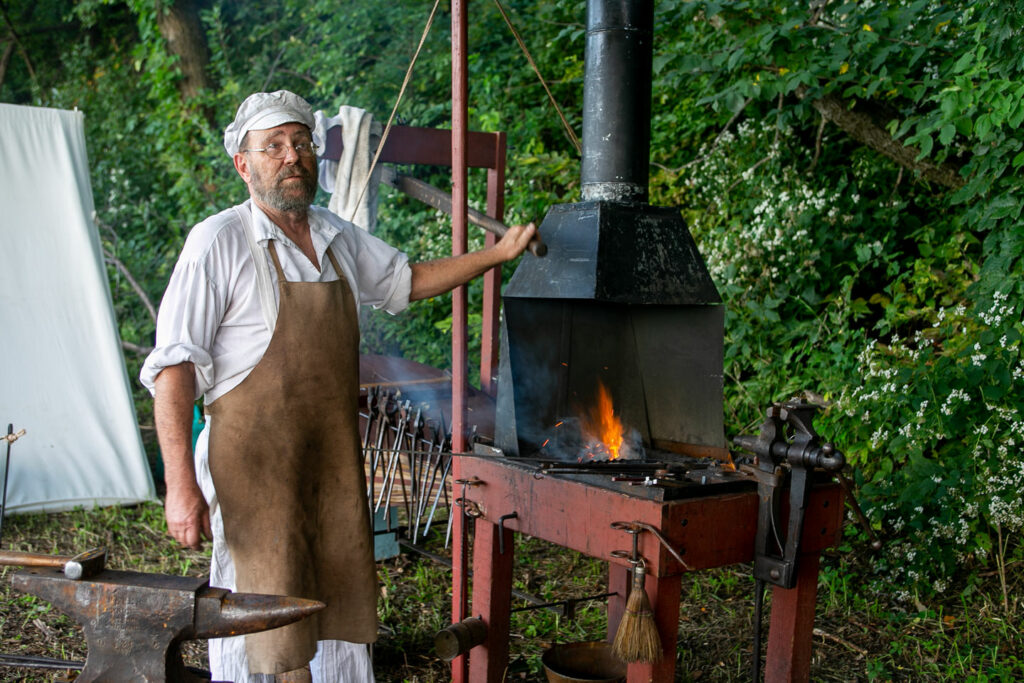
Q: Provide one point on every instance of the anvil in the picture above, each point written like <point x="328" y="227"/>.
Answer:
<point x="134" y="623"/>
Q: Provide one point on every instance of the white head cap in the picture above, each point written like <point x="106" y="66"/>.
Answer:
<point x="264" y="110"/>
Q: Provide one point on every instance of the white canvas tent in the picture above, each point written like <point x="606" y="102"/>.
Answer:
<point x="62" y="376"/>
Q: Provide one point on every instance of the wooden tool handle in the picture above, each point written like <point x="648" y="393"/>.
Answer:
<point x="19" y="558"/>
<point x="536" y="247"/>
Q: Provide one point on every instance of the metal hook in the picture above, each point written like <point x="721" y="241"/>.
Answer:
<point x="636" y="527"/>
<point x="501" y="530"/>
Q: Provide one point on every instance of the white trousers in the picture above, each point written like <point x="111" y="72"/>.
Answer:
<point x="336" y="661"/>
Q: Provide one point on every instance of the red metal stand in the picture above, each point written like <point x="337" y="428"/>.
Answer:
<point x="711" y="531"/>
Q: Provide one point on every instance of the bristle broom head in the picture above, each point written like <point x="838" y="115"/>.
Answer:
<point x="637" y="639"/>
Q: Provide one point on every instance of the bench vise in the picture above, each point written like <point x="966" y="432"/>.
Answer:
<point x="787" y="451"/>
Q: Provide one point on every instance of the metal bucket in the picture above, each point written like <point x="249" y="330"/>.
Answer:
<point x="591" y="662"/>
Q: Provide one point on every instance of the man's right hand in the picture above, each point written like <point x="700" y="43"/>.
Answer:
<point x="188" y="516"/>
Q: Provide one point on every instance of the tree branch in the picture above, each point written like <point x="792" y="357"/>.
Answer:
<point x="871" y="132"/>
<point x="5" y="60"/>
<point x="135" y="348"/>
<point x="114" y="261"/>
<point x="817" y="145"/>
<point x="16" y="39"/>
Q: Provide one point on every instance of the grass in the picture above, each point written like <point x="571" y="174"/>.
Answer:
<point x="861" y="636"/>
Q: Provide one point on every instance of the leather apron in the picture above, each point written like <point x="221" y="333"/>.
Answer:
<point x="286" y="463"/>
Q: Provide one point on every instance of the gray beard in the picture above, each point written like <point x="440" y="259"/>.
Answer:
<point x="277" y="198"/>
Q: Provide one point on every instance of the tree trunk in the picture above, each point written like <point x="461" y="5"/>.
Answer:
<point x="179" y="24"/>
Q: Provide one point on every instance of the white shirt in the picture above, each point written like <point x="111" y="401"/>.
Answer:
<point x="211" y="315"/>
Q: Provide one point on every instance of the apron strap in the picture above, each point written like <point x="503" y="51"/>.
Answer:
<point x="264" y="286"/>
<point x="272" y="248"/>
<point x="268" y="305"/>
<point x="334" y="262"/>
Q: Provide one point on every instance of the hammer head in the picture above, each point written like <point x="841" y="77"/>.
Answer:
<point x="86" y="564"/>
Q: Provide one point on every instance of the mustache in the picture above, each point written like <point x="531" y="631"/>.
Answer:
<point x="294" y="172"/>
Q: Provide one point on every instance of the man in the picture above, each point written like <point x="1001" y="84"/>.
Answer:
<point x="260" y="318"/>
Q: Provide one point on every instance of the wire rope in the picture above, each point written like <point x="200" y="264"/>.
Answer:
<point x="529" y="58"/>
<point x="398" y="101"/>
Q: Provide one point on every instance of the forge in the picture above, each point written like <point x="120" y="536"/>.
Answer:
<point x="621" y="310"/>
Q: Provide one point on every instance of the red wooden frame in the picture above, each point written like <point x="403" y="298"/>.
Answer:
<point x="711" y="531"/>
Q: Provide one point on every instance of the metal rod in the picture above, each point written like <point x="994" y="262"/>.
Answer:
<point x="401" y="470"/>
<point x="381" y="419"/>
<point x="33" y="662"/>
<point x="395" y="465"/>
<point x="7" y="469"/>
<point x="535" y="602"/>
<point x="384" y="452"/>
<point x="429" y="475"/>
<point x="443" y="488"/>
<point x="442" y="201"/>
<point x="560" y="603"/>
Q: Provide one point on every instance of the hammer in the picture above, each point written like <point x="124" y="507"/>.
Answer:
<point x="80" y="566"/>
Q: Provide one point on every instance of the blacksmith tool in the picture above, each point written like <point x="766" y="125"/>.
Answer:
<point x="371" y="411"/>
<point x="781" y="460"/>
<point x="81" y="566"/>
<point x="443" y="447"/>
<point x="442" y="201"/>
<point x="386" y="409"/>
<point x="787" y="451"/>
<point x="134" y="623"/>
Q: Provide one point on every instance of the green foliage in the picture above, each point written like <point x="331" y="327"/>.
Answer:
<point x="894" y="298"/>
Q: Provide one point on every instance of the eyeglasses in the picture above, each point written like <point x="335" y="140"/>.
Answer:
<point x="277" y="150"/>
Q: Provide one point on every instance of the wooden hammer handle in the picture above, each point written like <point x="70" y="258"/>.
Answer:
<point x="81" y="566"/>
<point x="19" y="558"/>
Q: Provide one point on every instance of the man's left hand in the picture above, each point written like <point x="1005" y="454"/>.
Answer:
<point x="515" y="240"/>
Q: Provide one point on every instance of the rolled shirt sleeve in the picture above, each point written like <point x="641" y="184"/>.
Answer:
<point x="187" y="323"/>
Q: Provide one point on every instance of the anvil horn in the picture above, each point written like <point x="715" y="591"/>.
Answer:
<point x="221" y="613"/>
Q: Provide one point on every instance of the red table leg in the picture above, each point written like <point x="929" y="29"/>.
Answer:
<point x="791" y="632"/>
<point x="619" y="580"/>
<point x="492" y="600"/>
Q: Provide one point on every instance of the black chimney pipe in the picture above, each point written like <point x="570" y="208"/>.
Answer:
<point x="617" y="100"/>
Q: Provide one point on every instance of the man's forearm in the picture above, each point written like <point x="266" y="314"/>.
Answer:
<point x="173" y="403"/>
<point x="433" y="278"/>
<point x="437" y="277"/>
<point x="188" y="517"/>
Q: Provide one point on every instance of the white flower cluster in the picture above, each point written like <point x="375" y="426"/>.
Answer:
<point x="977" y="493"/>
<point x="772" y="241"/>
<point x="1004" y="506"/>
<point x="955" y="395"/>
<point x="999" y="310"/>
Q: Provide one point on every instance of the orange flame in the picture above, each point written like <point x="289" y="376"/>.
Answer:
<point x="603" y="424"/>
